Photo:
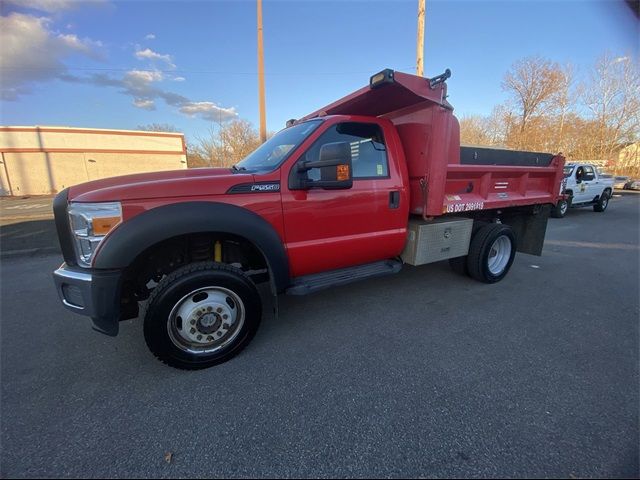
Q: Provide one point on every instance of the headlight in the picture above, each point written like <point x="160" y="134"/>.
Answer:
<point x="90" y="222"/>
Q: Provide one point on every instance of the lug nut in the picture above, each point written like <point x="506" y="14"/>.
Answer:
<point x="193" y="322"/>
<point x="193" y="330"/>
<point x="219" y="334"/>
<point x="199" y="337"/>
<point x="225" y="316"/>
<point x="209" y="338"/>
<point x="225" y="325"/>
<point x="219" y="310"/>
<point x="209" y="309"/>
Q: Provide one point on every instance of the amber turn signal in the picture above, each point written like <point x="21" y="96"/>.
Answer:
<point x="102" y="226"/>
<point x="342" y="172"/>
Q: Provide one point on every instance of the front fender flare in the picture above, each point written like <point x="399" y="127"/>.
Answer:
<point x="130" y="239"/>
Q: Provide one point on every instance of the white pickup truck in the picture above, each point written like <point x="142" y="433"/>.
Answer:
<point x="583" y="186"/>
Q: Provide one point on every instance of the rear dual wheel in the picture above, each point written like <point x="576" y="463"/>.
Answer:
<point x="491" y="253"/>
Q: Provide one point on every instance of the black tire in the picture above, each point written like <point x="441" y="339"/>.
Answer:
<point x="560" y="209"/>
<point x="459" y="265"/>
<point x="173" y="291"/>
<point x="603" y="202"/>
<point x="481" y="256"/>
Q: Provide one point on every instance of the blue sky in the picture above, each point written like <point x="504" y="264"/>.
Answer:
<point x="109" y="64"/>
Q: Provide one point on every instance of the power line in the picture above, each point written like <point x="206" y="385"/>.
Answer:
<point x="203" y="72"/>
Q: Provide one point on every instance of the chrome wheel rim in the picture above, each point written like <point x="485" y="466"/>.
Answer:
<point x="499" y="255"/>
<point x="605" y="201"/>
<point x="563" y="207"/>
<point x="206" y="320"/>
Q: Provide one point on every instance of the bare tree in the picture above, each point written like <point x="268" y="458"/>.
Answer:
<point x="226" y="144"/>
<point x="563" y="102"/>
<point x="532" y="83"/>
<point x="473" y="130"/>
<point x="548" y="111"/>
<point x="612" y="96"/>
<point x="486" y="130"/>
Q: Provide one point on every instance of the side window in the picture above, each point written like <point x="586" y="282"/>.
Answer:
<point x="368" y="151"/>
<point x="588" y="173"/>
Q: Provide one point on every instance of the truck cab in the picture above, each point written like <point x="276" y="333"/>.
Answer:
<point x="583" y="186"/>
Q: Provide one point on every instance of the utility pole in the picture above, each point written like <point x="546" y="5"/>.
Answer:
<point x="263" y="121"/>
<point x="420" y="41"/>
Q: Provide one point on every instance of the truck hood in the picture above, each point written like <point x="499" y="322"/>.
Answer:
<point x="173" y="183"/>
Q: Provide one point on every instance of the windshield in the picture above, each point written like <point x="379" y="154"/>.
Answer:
<point x="273" y="152"/>
<point x="567" y="170"/>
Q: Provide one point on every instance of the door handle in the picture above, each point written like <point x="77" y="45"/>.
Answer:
<point x="394" y="199"/>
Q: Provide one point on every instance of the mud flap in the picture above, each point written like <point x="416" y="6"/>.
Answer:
<point x="529" y="228"/>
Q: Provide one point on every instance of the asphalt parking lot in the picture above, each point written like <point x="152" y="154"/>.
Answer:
<point x="26" y="226"/>
<point x="424" y="374"/>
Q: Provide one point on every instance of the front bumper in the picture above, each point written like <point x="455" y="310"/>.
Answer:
<point x="92" y="293"/>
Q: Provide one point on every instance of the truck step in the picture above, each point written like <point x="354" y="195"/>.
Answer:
<point x="319" y="281"/>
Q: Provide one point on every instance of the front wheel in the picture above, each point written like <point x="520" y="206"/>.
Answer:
<point x="560" y="209"/>
<point x="201" y="315"/>
<point x="602" y="203"/>
<point x="491" y="253"/>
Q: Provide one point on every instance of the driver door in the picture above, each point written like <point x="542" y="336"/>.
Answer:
<point x="331" y="229"/>
<point x="580" y="193"/>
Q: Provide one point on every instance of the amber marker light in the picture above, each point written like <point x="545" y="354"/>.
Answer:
<point x="342" y="172"/>
<point x="102" y="226"/>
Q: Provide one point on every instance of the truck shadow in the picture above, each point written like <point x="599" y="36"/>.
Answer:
<point x="29" y="235"/>
<point x="359" y="302"/>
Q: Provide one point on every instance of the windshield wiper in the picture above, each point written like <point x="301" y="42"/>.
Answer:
<point x="235" y="168"/>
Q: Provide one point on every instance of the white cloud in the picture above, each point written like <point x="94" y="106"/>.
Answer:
<point x="142" y="87"/>
<point x="208" y="111"/>
<point x="143" y="76"/>
<point x="148" y="54"/>
<point x="139" y="84"/>
<point x="31" y="52"/>
<point x="52" y="6"/>
<point x="150" y="36"/>
<point x="86" y="46"/>
<point x="144" y="104"/>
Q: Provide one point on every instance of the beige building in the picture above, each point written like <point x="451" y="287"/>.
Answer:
<point x="629" y="159"/>
<point x="45" y="160"/>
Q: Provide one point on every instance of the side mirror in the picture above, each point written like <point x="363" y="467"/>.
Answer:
<point x="335" y="166"/>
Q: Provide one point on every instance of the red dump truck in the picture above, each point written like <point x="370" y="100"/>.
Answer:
<point x="354" y="190"/>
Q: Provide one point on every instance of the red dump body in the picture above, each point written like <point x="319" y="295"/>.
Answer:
<point x="430" y="136"/>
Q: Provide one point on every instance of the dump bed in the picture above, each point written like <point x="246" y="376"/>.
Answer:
<point x="444" y="177"/>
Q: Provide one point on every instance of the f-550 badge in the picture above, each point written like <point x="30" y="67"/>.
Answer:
<point x="265" y="187"/>
<point x="255" y="187"/>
